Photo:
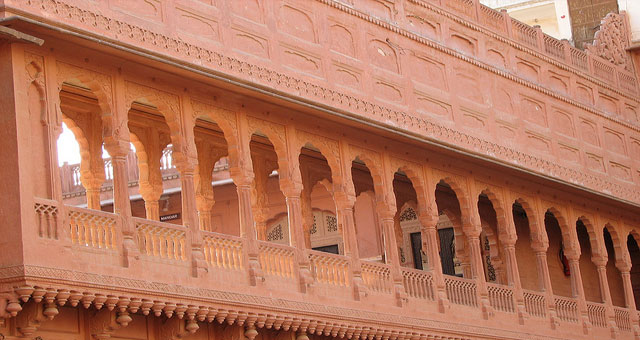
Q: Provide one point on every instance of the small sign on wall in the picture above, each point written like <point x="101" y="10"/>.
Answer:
<point x="169" y="217"/>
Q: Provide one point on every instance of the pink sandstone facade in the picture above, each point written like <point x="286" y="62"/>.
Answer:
<point x="315" y="169"/>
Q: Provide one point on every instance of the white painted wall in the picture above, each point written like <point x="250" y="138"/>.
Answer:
<point x="632" y="7"/>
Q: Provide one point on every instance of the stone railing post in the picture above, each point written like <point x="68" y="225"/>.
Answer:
<point x="540" y="38"/>
<point x="429" y="232"/>
<point x="566" y="47"/>
<point x="507" y="22"/>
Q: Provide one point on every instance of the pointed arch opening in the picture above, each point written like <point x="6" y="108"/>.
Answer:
<point x="634" y="255"/>
<point x="268" y="202"/>
<point x="530" y="277"/>
<point x="490" y="243"/>
<point x="320" y="225"/>
<point x="151" y="137"/>
<point x="216" y="193"/>
<point x="588" y="270"/>
<point x="84" y="170"/>
<point x="557" y="261"/>
<point x="612" y="243"/>
<point x="454" y="254"/>
<point x="368" y="230"/>
<point x="407" y="226"/>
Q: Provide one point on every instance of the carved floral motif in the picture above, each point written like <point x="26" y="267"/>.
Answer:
<point x="612" y="40"/>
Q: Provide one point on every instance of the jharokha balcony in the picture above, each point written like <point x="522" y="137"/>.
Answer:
<point x="371" y="169"/>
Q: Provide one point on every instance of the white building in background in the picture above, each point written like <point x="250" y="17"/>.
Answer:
<point x="555" y="16"/>
<point x="551" y="15"/>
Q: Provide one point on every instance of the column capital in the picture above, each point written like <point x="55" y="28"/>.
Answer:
<point x="241" y="176"/>
<point x="599" y="260"/>
<point x="290" y="187"/>
<point x="623" y="266"/>
<point x="118" y="148"/>
<point x="344" y="200"/>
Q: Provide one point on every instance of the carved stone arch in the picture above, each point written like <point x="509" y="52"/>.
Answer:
<point x="619" y="244"/>
<point x="505" y="228"/>
<point x="415" y="174"/>
<point x="372" y="161"/>
<point x="328" y="148"/>
<point x="169" y="106"/>
<point x="596" y="239"/>
<point x="458" y="188"/>
<point x="569" y="235"/>
<point x="83" y="142"/>
<point x="227" y="122"/>
<point x="100" y="85"/>
<point x="537" y="233"/>
<point x="275" y="133"/>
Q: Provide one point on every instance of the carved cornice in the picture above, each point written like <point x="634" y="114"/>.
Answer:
<point x="224" y="306"/>
<point x="400" y="120"/>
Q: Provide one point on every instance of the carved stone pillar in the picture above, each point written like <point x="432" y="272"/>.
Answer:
<point x="186" y="166"/>
<point x="513" y="275"/>
<point x="259" y="198"/>
<point x="151" y="189"/>
<point x="577" y="288"/>
<point x="119" y="149"/>
<point x="472" y="232"/>
<point x="624" y="267"/>
<point x="600" y="261"/>
<point x="429" y="232"/>
<point x="244" y="180"/>
<point x="386" y="212"/>
<point x="307" y="211"/>
<point x="204" y="191"/>
<point x="344" y="210"/>
<point x="292" y="191"/>
<point x="92" y="173"/>
<point x="92" y="185"/>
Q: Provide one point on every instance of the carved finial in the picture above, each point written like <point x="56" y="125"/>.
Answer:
<point x="612" y="40"/>
<point x="24" y="292"/>
<point x="251" y="332"/>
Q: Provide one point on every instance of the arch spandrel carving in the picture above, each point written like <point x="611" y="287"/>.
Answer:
<point x="100" y="84"/>
<point x="169" y="105"/>
<point x="227" y="121"/>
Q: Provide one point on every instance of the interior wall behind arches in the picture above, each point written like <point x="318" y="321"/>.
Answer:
<point x="524" y="253"/>
<point x="588" y="271"/>
<point x="369" y="242"/>
<point x="614" y="278"/>
<point x="560" y="283"/>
